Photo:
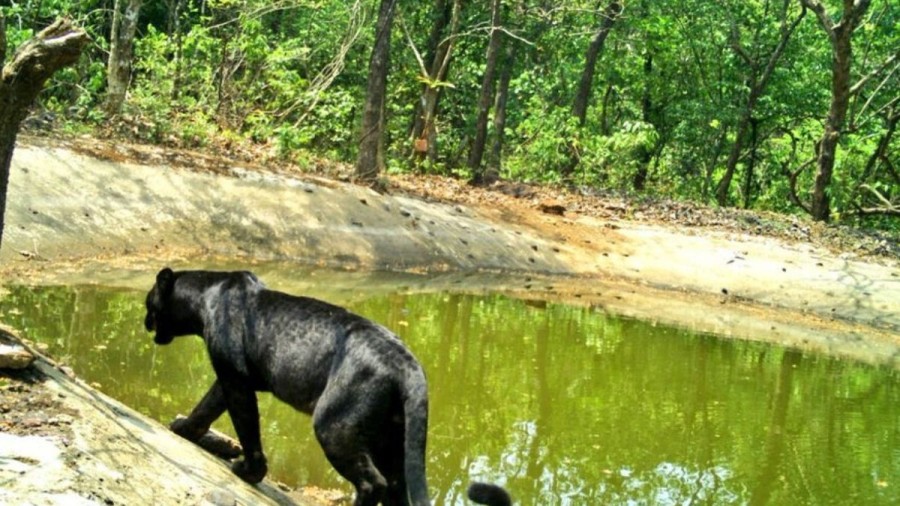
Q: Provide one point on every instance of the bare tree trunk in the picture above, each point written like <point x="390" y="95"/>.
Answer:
<point x="424" y="132"/>
<point x="735" y="154"/>
<point x="751" y="164"/>
<point x="640" y="177"/>
<point x="442" y="13"/>
<point x="22" y="79"/>
<point x="371" y="145"/>
<point x="174" y="27"/>
<point x="121" y="54"/>
<point x="583" y="95"/>
<point x="495" y="161"/>
<point x="713" y="161"/>
<point x="604" y="112"/>
<point x="487" y="92"/>
<point x="758" y="83"/>
<point x="840" y="34"/>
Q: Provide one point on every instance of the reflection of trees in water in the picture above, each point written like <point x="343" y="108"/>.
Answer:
<point x="765" y="484"/>
<point x="564" y="404"/>
<point x="99" y="332"/>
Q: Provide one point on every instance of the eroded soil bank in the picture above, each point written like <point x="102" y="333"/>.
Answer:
<point x="141" y="208"/>
<point x="74" y="217"/>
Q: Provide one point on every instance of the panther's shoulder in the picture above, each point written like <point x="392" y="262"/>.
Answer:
<point x="220" y="280"/>
<point x="250" y="280"/>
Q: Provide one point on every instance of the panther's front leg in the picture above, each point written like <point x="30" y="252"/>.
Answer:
<point x="207" y="411"/>
<point x="244" y="413"/>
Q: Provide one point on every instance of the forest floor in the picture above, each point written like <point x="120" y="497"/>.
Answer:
<point x="79" y="205"/>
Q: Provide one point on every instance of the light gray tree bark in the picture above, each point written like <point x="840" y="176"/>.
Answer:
<point x="121" y="53"/>
<point x="22" y="79"/>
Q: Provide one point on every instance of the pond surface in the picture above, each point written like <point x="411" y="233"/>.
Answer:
<point x="562" y="404"/>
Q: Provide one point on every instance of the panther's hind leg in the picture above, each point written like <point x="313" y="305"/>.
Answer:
<point x="346" y="427"/>
<point x="389" y="458"/>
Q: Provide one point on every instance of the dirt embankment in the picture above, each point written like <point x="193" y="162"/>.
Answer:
<point x="72" y="216"/>
<point x="703" y="269"/>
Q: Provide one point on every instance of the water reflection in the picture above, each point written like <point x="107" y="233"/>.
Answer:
<point x="564" y="405"/>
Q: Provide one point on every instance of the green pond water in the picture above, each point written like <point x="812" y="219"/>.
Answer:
<point x="561" y="404"/>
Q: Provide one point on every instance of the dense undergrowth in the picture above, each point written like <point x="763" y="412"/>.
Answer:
<point x="283" y="82"/>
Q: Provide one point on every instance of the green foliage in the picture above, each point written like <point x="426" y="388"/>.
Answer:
<point x="670" y="87"/>
<point x="543" y="145"/>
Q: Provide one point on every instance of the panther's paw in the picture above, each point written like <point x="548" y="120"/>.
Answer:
<point x="251" y="470"/>
<point x="184" y="428"/>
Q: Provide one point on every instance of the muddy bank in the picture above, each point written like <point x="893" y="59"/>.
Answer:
<point x="67" y="208"/>
<point x="65" y="205"/>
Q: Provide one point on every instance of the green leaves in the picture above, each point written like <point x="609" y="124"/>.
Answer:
<point x="669" y="92"/>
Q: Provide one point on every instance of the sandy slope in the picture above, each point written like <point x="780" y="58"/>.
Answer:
<point x="65" y="207"/>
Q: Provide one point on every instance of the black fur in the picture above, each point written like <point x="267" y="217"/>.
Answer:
<point x="487" y="493"/>
<point x="366" y="392"/>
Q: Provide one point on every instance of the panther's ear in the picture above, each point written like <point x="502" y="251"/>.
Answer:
<point x="165" y="282"/>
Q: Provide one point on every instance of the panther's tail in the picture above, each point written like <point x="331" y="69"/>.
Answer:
<point x="487" y="493"/>
<point x="415" y="414"/>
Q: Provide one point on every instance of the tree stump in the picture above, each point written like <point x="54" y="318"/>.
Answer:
<point x="22" y="79"/>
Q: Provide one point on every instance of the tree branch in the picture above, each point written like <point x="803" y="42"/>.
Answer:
<point x="793" y="175"/>
<point x="737" y="48"/>
<point x="866" y="78"/>
<point x="879" y="196"/>
<point x="786" y="32"/>
<point x="412" y="45"/>
<point x="53" y="48"/>
<point x="887" y="208"/>
<point x="859" y="7"/>
<point x="822" y="14"/>
<point x="886" y="160"/>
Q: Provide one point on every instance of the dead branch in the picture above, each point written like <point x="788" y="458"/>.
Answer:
<point x="57" y="46"/>
<point x="792" y="179"/>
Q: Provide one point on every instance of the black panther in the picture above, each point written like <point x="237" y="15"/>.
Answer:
<point x="365" y="390"/>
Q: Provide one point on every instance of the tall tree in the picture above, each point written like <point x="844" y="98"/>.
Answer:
<point x="440" y="49"/>
<point x="476" y="154"/>
<point x="502" y="98"/>
<point x="22" y="79"/>
<point x="757" y="80"/>
<point x="370" y="160"/>
<point x="174" y="10"/>
<point x="586" y="84"/>
<point x="121" y="53"/>
<point x="840" y="37"/>
<point x="646" y="154"/>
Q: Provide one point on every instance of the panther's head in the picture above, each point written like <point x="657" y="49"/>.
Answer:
<point x="159" y="308"/>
